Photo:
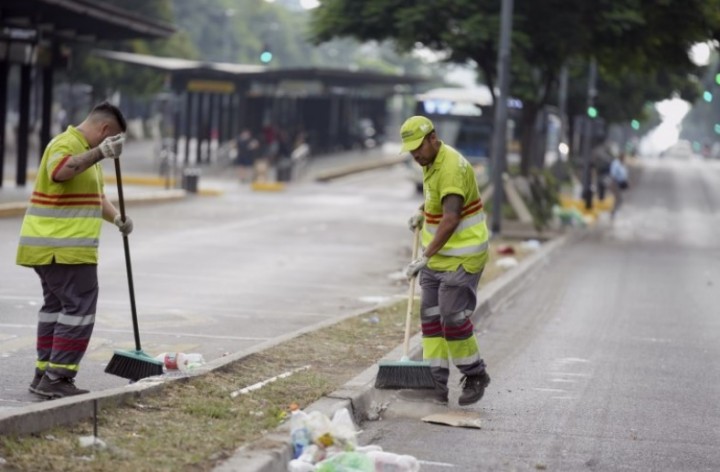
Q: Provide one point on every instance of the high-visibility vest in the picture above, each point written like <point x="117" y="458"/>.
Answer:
<point x="451" y="174"/>
<point x="63" y="221"/>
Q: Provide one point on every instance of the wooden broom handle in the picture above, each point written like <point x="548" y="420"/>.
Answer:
<point x="411" y="294"/>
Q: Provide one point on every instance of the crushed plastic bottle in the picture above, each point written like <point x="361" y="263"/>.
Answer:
<point x="180" y="360"/>
<point x="390" y="462"/>
<point x="299" y="433"/>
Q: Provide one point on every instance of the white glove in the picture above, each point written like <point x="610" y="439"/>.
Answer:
<point x="414" y="268"/>
<point x="126" y="226"/>
<point x="112" y="147"/>
<point x="416" y="221"/>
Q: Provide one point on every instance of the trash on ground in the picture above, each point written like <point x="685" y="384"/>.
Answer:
<point x="259" y="385"/>
<point x="506" y="262"/>
<point x="531" y="245"/>
<point x="321" y="444"/>
<point x="180" y="360"/>
<point x="87" y="441"/>
<point x="506" y="250"/>
<point x="463" y="419"/>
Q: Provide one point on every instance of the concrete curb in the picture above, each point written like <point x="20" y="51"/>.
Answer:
<point x="45" y="415"/>
<point x="359" y="395"/>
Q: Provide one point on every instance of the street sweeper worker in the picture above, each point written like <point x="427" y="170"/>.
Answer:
<point x="59" y="240"/>
<point x="454" y="253"/>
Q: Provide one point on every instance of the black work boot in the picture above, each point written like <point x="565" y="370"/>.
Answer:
<point x="62" y="387"/>
<point x="35" y="381"/>
<point x="473" y="388"/>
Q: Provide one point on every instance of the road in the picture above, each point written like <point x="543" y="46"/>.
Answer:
<point x="220" y="274"/>
<point x="607" y="359"/>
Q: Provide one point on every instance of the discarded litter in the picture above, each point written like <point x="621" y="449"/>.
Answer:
<point x="506" y="249"/>
<point x="531" y="245"/>
<point x="332" y="446"/>
<point x="506" y="262"/>
<point x="87" y="441"/>
<point x="180" y="360"/>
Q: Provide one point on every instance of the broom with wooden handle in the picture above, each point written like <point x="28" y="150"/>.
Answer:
<point x="133" y="365"/>
<point x="406" y="373"/>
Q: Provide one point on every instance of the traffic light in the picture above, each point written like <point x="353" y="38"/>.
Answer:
<point x="717" y="128"/>
<point x="592" y="112"/>
<point x="717" y="78"/>
<point x="635" y="124"/>
<point x="266" y="55"/>
<point x="707" y="96"/>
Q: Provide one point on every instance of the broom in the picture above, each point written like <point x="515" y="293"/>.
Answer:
<point x="133" y="365"/>
<point x="406" y="373"/>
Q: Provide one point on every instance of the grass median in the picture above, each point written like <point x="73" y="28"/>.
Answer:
<point x="197" y="423"/>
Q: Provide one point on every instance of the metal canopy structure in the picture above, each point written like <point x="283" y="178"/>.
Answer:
<point x="77" y="20"/>
<point x="188" y="69"/>
<point x="325" y="103"/>
<point x="31" y="35"/>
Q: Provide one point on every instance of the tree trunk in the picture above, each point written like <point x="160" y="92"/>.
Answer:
<point x="527" y="136"/>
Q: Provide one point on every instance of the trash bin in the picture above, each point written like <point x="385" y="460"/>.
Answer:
<point x="284" y="170"/>
<point x="190" y="179"/>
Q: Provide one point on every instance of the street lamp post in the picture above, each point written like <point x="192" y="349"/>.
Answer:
<point x="587" y="188"/>
<point x="499" y="142"/>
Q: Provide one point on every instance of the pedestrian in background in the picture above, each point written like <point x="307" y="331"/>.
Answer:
<point x="454" y="253"/>
<point x="618" y="182"/>
<point x="59" y="239"/>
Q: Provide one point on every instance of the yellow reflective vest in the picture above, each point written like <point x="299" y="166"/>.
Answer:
<point x="451" y="174"/>
<point x="63" y="221"/>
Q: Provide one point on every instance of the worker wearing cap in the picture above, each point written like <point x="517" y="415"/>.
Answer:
<point x="454" y="253"/>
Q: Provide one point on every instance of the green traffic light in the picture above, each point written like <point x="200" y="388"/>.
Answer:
<point x="592" y="112"/>
<point x="717" y="128"/>
<point x="635" y="124"/>
<point x="266" y="57"/>
<point x="717" y="78"/>
<point x="707" y="96"/>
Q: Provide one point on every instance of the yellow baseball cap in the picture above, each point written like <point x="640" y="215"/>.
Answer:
<point x="413" y="131"/>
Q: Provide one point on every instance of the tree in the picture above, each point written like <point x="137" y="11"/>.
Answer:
<point x="628" y="38"/>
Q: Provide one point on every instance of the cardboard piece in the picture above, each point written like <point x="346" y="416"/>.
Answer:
<point x="463" y="419"/>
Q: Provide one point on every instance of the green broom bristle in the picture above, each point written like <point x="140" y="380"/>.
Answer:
<point x="404" y="374"/>
<point x="133" y="365"/>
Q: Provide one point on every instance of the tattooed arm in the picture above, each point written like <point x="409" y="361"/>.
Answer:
<point x="74" y="165"/>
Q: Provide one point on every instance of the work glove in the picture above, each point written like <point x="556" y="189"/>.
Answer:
<point x="416" y="221"/>
<point x="112" y="147"/>
<point x="126" y="226"/>
<point x="414" y="268"/>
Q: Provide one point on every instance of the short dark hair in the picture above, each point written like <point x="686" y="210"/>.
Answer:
<point x="109" y="110"/>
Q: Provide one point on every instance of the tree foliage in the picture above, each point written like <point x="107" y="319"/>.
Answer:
<point x="641" y="46"/>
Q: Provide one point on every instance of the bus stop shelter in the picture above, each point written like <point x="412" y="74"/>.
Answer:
<point x="218" y="100"/>
<point x="37" y="36"/>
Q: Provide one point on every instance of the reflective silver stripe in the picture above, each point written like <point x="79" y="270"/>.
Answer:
<point x="65" y="212"/>
<point x="432" y="311"/>
<point x="443" y="363"/>
<point x="464" y="251"/>
<point x="464" y="224"/>
<point x="58" y="242"/>
<point x="44" y="317"/>
<point x="467" y="360"/>
<point x="459" y="318"/>
<point x="68" y="320"/>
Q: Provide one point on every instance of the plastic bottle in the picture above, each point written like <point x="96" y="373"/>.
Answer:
<point x="190" y="361"/>
<point x="390" y="462"/>
<point x="180" y="360"/>
<point x="299" y="433"/>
